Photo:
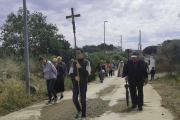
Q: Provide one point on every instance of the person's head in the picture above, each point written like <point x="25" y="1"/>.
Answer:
<point x="59" y="59"/>
<point x="153" y="68"/>
<point x="142" y="58"/>
<point x="54" y="61"/>
<point x="101" y="62"/>
<point x="113" y="61"/>
<point x="135" y="56"/>
<point x="42" y="60"/>
<point x="72" y="60"/>
<point x="79" y="53"/>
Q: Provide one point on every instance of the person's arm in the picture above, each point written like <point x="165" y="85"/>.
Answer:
<point x="53" y="69"/>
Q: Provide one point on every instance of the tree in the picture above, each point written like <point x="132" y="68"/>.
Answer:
<point x="43" y="37"/>
<point x="170" y="51"/>
<point x="149" y="50"/>
<point x="98" y="48"/>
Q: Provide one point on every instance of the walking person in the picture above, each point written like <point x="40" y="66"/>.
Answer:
<point x="59" y="84"/>
<point x="120" y="69"/>
<point x="107" y="69"/>
<point x="113" y="69"/>
<point x="136" y="75"/>
<point x="152" y="72"/>
<point x="83" y="67"/>
<point x="50" y="74"/>
<point x="101" y="70"/>
<point x="59" y="59"/>
<point x="110" y="68"/>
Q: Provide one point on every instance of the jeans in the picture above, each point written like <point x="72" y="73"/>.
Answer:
<point x="50" y="88"/>
<point x="101" y="77"/>
<point x="83" y="90"/>
<point x="137" y="99"/>
<point x="107" y="73"/>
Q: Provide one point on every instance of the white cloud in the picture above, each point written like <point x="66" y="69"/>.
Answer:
<point x="157" y="19"/>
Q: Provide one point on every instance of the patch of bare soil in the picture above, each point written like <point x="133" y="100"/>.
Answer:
<point x="170" y="97"/>
<point x="65" y="110"/>
<point x="107" y="90"/>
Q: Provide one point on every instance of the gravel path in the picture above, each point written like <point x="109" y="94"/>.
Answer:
<point x="66" y="109"/>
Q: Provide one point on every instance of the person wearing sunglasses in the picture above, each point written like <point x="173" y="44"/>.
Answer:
<point x="83" y="67"/>
<point x="50" y="74"/>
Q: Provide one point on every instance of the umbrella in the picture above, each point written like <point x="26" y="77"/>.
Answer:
<point x="127" y="93"/>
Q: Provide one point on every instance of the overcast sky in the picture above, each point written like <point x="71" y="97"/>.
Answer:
<point x="157" y="19"/>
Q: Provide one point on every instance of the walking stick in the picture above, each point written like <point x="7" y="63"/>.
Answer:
<point x="74" y="31"/>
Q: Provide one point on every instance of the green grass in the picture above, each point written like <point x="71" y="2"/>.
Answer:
<point x="169" y="88"/>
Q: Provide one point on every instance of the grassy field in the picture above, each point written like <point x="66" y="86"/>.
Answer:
<point x="168" y="88"/>
<point x="12" y="88"/>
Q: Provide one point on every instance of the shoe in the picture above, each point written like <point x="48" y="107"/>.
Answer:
<point x="77" y="114"/>
<point x="61" y="97"/>
<point x="49" y="102"/>
<point x="83" y="118"/>
<point x="140" y="108"/>
<point x="134" y="106"/>
<point x="55" y="100"/>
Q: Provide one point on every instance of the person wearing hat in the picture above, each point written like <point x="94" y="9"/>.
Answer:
<point x="50" y="73"/>
<point x="136" y="75"/>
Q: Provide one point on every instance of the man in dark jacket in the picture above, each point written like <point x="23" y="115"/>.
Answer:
<point x="153" y="72"/>
<point x="83" y="67"/>
<point x="101" y="69"/>
<point x="136" y="75"/>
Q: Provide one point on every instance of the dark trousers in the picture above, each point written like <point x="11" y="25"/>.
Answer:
<point x="83" y="90"/>
<point x="110" y="73"/>
<point x="152" y="76"/>
<point x="137" y="99"/>
<point x="101" y="77"/>
<point x="50" y="88"/>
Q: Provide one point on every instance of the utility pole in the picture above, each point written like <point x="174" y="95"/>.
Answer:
<point x="26" y="49"/>
<point x="121" y="42"/>
<point x="140" y="45"/>
<point x="104" y="42"/>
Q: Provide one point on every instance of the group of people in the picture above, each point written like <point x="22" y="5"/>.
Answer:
<point x="105" y="69"/>
<point x="135" y="71"/>
<point x="55" y="73"/>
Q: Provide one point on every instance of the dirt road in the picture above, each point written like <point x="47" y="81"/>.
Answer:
<point x="104" y="101"/>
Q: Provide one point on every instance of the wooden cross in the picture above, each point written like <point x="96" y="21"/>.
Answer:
<point x="73" y="20"/>
<point x="74" y="31"/>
